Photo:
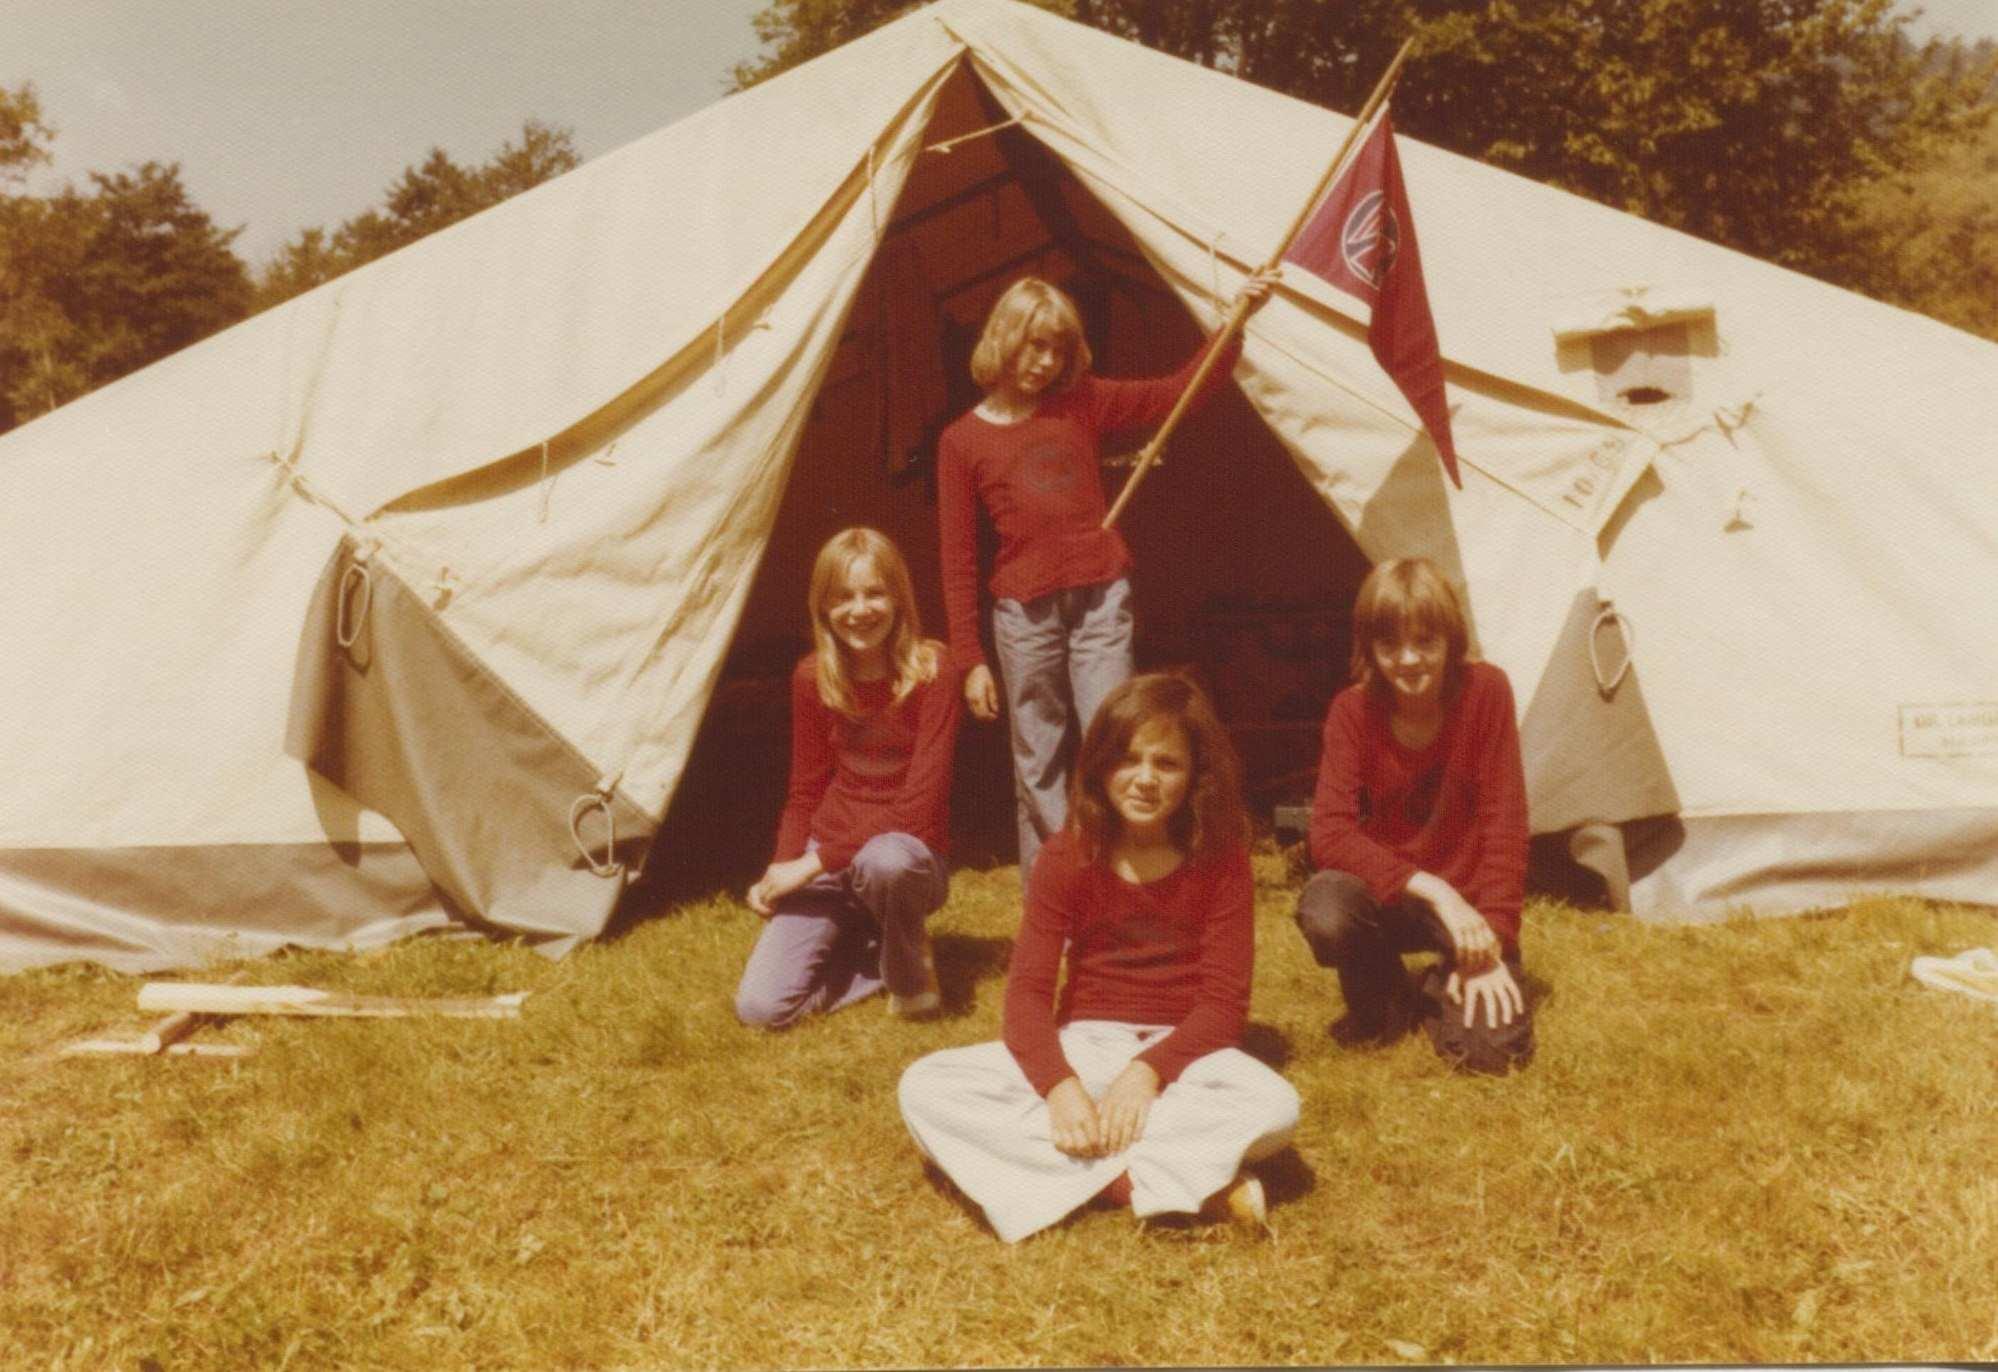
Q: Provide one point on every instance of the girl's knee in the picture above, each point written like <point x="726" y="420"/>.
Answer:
<point x="1333" y="909"/>
<point x="920" y="1089"/>
<point x="890" y="853"/>
<point x="1274" y="1104"/>
<point x="892" y="860"/>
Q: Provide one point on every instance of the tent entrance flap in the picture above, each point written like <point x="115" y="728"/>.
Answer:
<point x="507" y="818"/>
<point x="1242" y="571"/>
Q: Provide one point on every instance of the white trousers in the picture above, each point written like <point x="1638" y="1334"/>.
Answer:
<point x="974" y="1114"/>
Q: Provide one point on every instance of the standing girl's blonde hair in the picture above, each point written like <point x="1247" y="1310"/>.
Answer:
<point x="1025" y="306"/>
<point x="913" y="659"/>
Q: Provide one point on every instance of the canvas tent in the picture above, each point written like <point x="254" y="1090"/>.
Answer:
<point x="471" y="530"/>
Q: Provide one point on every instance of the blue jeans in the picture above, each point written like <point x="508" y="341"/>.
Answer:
<point x="1059" y="655"/>
<point x="842" y="935"/>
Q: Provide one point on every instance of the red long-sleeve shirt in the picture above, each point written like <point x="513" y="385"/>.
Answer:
<point x="886" y="771"/>
<point x="1039" y="481"/>
<point x="1178" y="951"/>
<point x="1456" y="808"/>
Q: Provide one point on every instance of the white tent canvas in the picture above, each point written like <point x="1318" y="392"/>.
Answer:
<point x="402" y="603"/>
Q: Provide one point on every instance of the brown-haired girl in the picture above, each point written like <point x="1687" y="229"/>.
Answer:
<point x="1129" y="1084"/>
<point x="1028" y="454"/>
<point x="859" y="864"/>
<point x="1419" y="827"/>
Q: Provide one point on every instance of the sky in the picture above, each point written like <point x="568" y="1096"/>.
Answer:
<point x="285" y="114"/>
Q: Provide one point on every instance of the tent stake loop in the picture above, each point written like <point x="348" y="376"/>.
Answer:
<point x="1609" y="614"/>
<point x="610" y="866"/>
<point x="357" y="574"/>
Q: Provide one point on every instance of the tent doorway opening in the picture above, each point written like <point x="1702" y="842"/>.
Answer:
<point x="1243" y="575"/>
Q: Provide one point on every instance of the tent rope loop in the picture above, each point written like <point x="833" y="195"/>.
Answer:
<point x="356" y="576"/>
<point x="598" y="799"/>
<point x="1609" y="614"/>
<point x="1214" y="265"/>
<point x="344" y="632"/>
<point x="947" y="144"/>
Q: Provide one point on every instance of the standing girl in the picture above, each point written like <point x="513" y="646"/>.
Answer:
<point x="859" y="863"/>
<point x="1419" y="828"/>
<point x="1029" y="454"/>
<point x="1128" y="1084"/>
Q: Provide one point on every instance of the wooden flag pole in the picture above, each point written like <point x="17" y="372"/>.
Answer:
<point x="1240" y="313"/>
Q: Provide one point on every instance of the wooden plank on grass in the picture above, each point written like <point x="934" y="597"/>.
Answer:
<point x="207" y="998"/>
<point x="141" y="1048"/>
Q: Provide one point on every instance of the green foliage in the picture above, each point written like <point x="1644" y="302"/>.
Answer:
<point x="799" y="30"/>
<point x="1759" y="124"/>
<point x="1748" y="122"/>
<point x="24" y="138"/>
<point x="96" y="284"/>
<point x="1751" y="1142"/>
<point x="1927" y="238"/>
<point x="426" y="198"/>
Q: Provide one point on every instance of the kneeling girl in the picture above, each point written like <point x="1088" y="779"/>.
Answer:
<point x="1129" y="1084"/>
<point x="859" y="864"/>
<point x="1419" y="827"/>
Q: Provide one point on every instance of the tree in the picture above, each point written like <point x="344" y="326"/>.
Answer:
<point x="95" y="284"/>
<point x="424" y="199"/>
<point x="798" y="30"/>
<point x="1928" y="238"/>
<point x="24" y="138"/>
<point x="1755" y="123"/>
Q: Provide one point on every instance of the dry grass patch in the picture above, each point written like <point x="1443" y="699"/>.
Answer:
<point x="1751" y="1142"/>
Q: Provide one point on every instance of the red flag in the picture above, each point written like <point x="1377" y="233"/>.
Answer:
<point x="1362" y="240"/>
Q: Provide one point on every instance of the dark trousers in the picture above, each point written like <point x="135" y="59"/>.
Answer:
<point x="1363" y="940"/>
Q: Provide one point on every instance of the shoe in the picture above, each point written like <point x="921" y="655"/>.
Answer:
<point x="1350" y="1031"/>
<point x="918" y="1004"/>
<point x="1241" y="1202"/>
<point x="1388" y="1019"/>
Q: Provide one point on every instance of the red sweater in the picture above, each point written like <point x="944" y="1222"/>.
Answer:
<point x="1175" y="951"/>
<point x="1456" y="809"/>
<point x="886" y="771"/>
<point x="1039" y="481"/>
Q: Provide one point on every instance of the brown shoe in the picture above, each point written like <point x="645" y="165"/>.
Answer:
<point x="923" y="1002"/>
<point x="1240" y="1202"/>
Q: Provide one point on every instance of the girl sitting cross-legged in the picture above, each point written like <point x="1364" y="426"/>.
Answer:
<point x="859" y="865"/>
<point x="1419" y="828"/>
<point x="1128" y="1085"/>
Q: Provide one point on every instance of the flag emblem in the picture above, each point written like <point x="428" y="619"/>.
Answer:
<point x="1371" y="239"/>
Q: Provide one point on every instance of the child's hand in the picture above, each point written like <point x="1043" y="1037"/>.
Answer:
<point x="1072" y="1117"/>
<point x="779" y="880"/>
<point x="1256" y="290"/>
<point x="981" y="693"/>
<point x="1127" y="1104"/>
<point x="1494" y="989"/>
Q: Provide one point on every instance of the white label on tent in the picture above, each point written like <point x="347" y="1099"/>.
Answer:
<point x="1959" y="730"/>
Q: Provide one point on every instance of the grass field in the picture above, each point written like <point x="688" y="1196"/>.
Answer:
<point x="1757" y="1141"/>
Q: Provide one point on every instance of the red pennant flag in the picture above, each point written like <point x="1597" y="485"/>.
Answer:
<point x="1362" y="240"/>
